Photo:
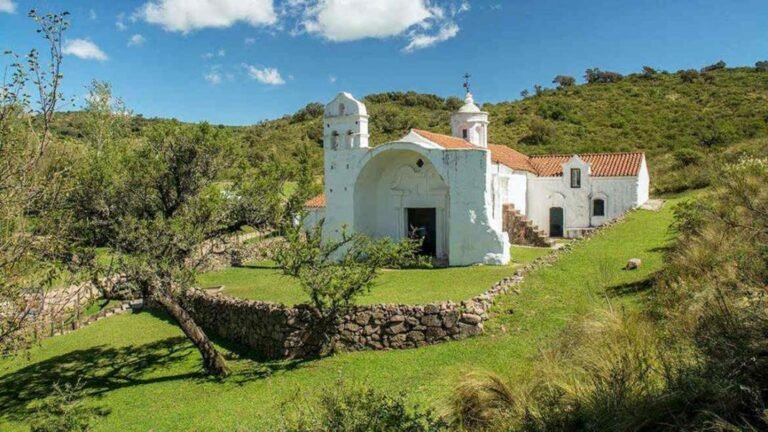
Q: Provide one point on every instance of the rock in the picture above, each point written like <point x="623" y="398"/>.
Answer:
<point x="450" y="318"/>
<point x="633" y="264"/>
<point x="412" y="321"/>
<point x="431" y="309"/>
<point x="352" y="327"/>
<point x="416" y="336"/>
<point x="431" y="321"/>
<point x="396" y="319"/>
<point x="471" y="318"/>
<point x="369" y="329"/>
<point x="396" y="329"/>
<point x="434" y="333"/>
<point x="363" y="318"/>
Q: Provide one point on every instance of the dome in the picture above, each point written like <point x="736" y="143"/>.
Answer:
<point x="469" y="105"/>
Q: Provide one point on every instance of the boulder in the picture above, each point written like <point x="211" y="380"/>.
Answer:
<point x="633" y="264"/>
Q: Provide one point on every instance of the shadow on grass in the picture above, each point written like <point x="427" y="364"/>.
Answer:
<point x="634" y="287"/>
<point x="102" y="369"/>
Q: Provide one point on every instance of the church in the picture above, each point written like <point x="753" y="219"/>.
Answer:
<point x="467" y="200"/>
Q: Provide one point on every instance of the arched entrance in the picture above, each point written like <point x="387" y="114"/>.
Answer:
<point x="399" y="193"/>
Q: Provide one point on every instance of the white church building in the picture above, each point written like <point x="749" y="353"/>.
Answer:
<point x="467" y="199"/>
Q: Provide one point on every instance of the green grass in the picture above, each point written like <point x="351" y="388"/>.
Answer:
<point x="142" y="368"/>
<point x="263" y="281"/>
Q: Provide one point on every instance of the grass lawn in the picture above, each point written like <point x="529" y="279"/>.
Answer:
<point x="262" y="281"/>
<point x="142" y="369"/>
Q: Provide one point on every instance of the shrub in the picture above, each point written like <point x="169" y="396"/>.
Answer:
<point x="648" y="72"/>
<point x="348" y="408"/>
<point x="688" y="76"/>
<point x="762" y="66"/>
<point x="713" y="67"/>
<point x="64" y="411"/>
<point x="688" y="156"/>
<point x="540" y="132"/>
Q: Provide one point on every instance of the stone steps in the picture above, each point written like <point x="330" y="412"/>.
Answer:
<point x="521" y="230"/>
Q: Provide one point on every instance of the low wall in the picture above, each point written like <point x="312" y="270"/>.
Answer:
<point x="279" y="331"/>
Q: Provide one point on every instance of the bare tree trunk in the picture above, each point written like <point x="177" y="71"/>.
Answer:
<point x="213" y="362"/>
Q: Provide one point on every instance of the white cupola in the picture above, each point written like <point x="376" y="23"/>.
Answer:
<point x="345" y="124"/>
<point x="470" y="123"/>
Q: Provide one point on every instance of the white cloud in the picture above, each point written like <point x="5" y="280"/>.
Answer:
<point x="136" y="40"/>
<point x="347" y="20"/>
<point x="221" y="53"/>
<point x="420" y="41"/>
<point x="331" y="79"/>
<point x="267" y="75"/>
<point x="120" y="22"/>
<point x="84" y="49"/>
<point x="249" y="41"/>
<point x="213" y="77"/>
<point x="92" y="15"/>
<point x="188" y="15"/>
<point x="209" y="55"/>
<point x="7" y="6"/>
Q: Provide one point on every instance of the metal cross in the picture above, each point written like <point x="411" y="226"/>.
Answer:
<point x="467" y="76"/>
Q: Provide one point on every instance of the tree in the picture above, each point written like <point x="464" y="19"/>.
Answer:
<point x="762" y="66"/>
<point x="335" y="272"/>
<point x="713" y="67"/>
<point x="649" y="72"/>
<point x="524" y="93"/>
<point x="564" y="81"/>
<point x="540" y="132"/>
<point x="107" y="118"/>
<point x="29" y="182"/>
<point x="169" y="214"/>
<point x="595" y="75"/>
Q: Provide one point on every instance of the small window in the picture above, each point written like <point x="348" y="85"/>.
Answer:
<point x="575" y="178"/>
<point x="464" y="133"/>
<point x="342" y="109"/>
<point x="335" y="140"/>
<point x="598" y="207"/>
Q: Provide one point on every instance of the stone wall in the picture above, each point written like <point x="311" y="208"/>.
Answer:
<point x="278" y="331"/>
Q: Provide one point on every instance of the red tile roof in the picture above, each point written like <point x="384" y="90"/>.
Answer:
<point x="316" y="202"/>
<point x="603" y="164"/>
<point x="445" y="141"/>
<point x="511" y="158"/>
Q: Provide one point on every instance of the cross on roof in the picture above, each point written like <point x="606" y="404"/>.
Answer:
<point x="467" y="76"/>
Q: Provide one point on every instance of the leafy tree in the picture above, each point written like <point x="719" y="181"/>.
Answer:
<point x="762" y="66"/>
<point x="30" y="179"/>
<point x="169" y="213"/>
<point x="107" y="118"/>
<point x="524" y="93"/>
<point x="564" y="81"/>
<point x="538" y="90"/>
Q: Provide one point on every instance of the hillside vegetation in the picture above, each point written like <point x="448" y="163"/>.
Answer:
<point x="679" y="119"/>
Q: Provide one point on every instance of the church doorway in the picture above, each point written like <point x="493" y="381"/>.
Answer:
<point x="555" y="221"/>
<point x="422" y="225"/>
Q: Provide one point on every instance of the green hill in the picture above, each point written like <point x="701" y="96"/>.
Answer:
<point x="683" y="121"/>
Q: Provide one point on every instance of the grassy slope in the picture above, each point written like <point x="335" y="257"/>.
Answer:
<point x="264" y="282"/>
<point x="141" y="367"/>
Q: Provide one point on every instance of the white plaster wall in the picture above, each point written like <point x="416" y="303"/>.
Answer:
<point x="620" y="195"/>
<point x="508" y="186"/>
<point x="643" y="184"/>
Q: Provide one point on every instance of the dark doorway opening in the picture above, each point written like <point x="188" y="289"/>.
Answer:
<point x="556" y="222"/>
<point x="422" y="225"/>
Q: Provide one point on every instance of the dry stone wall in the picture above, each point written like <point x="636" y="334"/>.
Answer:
<point x="279" y="331"/>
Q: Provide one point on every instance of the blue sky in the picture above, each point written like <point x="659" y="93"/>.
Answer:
<point x="242" y="61"/>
